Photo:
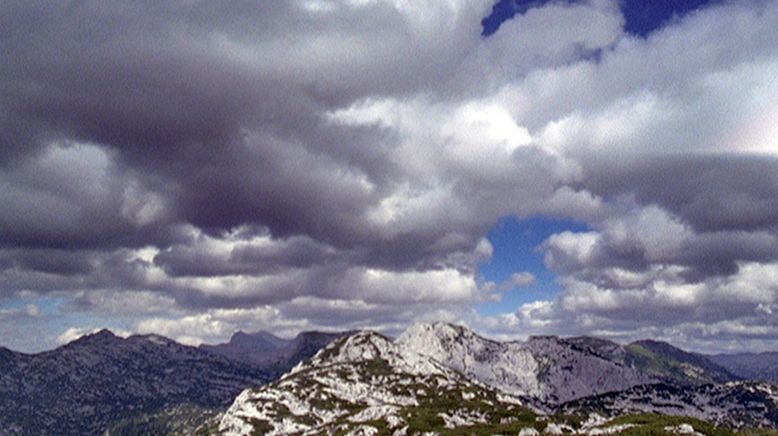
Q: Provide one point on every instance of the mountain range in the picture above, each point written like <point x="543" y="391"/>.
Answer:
<point x="435" y="377"/>
<point x="100" y="379"/>
<point x="750" y="366"/>
<point x="446" y="379"/>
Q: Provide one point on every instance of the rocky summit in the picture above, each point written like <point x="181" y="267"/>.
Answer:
<point x="367" y="383"/>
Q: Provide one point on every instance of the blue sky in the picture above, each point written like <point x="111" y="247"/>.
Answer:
<point x="516" y="246"/>
<point x="641" y="16"/>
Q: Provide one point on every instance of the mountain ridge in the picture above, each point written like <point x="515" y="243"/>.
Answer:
<point x="556" y="369"/>
<point x="84" y="386"/>
<point x="151" y="375"/>
<point x="366" y="383"/>
<point x="750" y="366"/>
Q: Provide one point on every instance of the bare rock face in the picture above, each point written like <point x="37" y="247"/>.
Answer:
<point x="557" y="370"/>
<point x="569" y="371"/>
<point x="508" y="366"/>
<point x="551" y="369"/>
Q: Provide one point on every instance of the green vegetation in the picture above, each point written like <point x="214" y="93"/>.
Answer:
<point x="654" y="363"/>
<point x="180" y="420"/>
<point x="654" y="424"/>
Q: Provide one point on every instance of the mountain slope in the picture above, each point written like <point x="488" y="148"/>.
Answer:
<point x="568" y="371"/>
<point x="508" y="366"/>
<point x="556" y="370"/>
<point x="82" y="387"/>
<point x="750" y="366"/>
<point x="735" y="404"/>
<point x="366" y="383"/>
<point x="671" y="364"/>
<point x="549" y="368"/>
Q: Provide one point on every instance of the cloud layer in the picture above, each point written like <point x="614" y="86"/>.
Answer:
<point x="338" y="163"/>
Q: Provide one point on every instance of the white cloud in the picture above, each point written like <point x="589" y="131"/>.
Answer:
<point x="73" y="333"/>
<point x="521" y="280"/>
<point x="217" y="324"/>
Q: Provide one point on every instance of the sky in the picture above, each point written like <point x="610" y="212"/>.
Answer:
<point x="582" y="167"/>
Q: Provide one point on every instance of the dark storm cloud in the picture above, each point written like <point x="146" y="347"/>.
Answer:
<point x="728" y="202"/>
<point x="212" y="114"/>
<point x="245" y="258"/>
<point x="215" y="107"/>
<point x="59" y="262"/>
<point x="711" y="193"/>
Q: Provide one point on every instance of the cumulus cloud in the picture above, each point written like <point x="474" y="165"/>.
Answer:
<point x="200" y="163"/>
<point x="73" y="333"/>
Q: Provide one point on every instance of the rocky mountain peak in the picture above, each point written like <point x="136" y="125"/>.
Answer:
<point x="440" y="340"/>
<point x="102" y="337"/>
<point x="361" y="347"/>
<point x="364" y="345"/>
<point x="357" y="381"/>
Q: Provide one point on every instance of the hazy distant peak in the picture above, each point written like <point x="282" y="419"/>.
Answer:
<point x="260" y="339"/>
<point x="320" y="334"/>
<point x="544" y="338"/>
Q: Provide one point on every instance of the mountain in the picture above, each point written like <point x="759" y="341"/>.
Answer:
<point x="367" y="384"/>
<point x="83" y="386"/>
<point x="435" y="377"/>
<point x="735" y="405"/>
<point x="557" y="370"/>
<point x="750" y="366"/>
<point x="271" y="353"/>
<point x="672" y="364"/>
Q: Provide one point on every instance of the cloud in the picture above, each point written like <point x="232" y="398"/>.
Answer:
<point x="74" y="333"/>
<point x="28" y="311"/>
<point x="518" y="280"/>
<point x="310" y="159"/>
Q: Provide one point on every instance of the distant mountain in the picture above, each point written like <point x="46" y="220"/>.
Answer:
<point x="750" y="366"/>
<point x="82" y="387"/>
<point x="271" y="353"/>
